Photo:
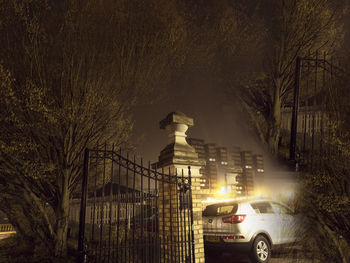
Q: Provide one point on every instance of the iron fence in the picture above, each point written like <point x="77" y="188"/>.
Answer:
<point x="129" y="212"/>
<point x="317" y="103"/>
<point x="6" y="228"/>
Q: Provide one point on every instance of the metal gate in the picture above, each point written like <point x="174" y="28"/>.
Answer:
<point x="318" y="100"/>
<point x="130" y="212"/>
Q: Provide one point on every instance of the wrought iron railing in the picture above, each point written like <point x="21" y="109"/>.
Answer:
<point x="6" y="228"/>
<point x="130" y="212"/>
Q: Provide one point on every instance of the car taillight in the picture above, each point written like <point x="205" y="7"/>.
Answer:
<point x="235" y="219"/>
<point x="233" y="237"/>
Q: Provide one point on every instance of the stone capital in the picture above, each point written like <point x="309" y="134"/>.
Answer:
<point x="178" y="151"/>
<point x="176" y="117"/>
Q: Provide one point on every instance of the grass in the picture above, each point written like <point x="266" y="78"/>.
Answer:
<point x="10" y="249"/>
<point x="13" y="250"/>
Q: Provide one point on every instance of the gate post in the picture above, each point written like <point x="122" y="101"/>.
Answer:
<point x="81" y="252"/>
<point x="294" y="128"/>
<point x="181" y="160"/>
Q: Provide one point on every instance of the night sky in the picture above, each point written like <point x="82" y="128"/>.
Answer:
<point x="200" y="95"/>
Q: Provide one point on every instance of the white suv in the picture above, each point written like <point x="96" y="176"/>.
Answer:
<point x="253" y="226"/>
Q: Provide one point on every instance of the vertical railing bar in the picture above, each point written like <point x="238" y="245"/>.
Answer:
<point x="84" y="192"/>
<point x="124" y="228"/>
<point x="166" y="249"/>
<point x="309" y="122"/>
<point x="184" y="211"/>
<point x="322" y="109"/>
<point x="189" y="217"/>
<point x="181" y="223"/>
<point x="294" y="124"/>
<point x="133" y="209"/>
<point x="102" y="199"/>
<point x="118" y="201"/>
<point x="113" y="250"/>
<point x="313" y="113"/>
<point x="306" y="111"/>
<point x="157" y="244"/>
<point x="149" y="217"/>
<point x="127" y="225"/>
<point x="95" y="189"/>
<point x="104" y="245"/>
<point x="142" y="213"/>
<point x="163" y="213"/>
<point x="330" y="149"/>
<point x="191" y="211"/>
<point x="177" y="217"/>
<point x="110" y="204"/>
<point x="171" y="217"/>
<point x="96" y="249"/>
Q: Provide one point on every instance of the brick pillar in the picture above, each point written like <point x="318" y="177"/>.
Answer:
<point x="197" y="214"/>
<point x="176" y="224"/>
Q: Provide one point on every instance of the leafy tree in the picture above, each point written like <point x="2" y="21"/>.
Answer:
<point x="70" y="74"/>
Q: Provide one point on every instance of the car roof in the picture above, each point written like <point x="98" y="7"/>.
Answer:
<point x="241" y="201"/>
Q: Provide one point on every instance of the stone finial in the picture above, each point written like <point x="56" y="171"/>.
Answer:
<point x="176" y="117"/>
<point x="178" y="151"/>
<point x="176" y="123"/>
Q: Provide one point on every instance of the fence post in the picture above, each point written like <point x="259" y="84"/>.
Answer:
<point x="293" y="135"/>
<point x="81" y="250"/>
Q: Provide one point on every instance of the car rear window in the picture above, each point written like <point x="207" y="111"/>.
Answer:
<point x="220" y="209"/>
<point x="262" y="208"/>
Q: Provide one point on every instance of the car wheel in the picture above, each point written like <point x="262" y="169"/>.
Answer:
<point x="261" y="250"/>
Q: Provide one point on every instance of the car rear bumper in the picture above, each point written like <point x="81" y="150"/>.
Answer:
<point x="231" y="246"/>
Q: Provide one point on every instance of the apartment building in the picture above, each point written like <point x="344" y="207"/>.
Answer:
<point x="232" y="167"/>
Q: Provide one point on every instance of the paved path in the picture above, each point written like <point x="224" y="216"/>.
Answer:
<point x="280" y="257"/>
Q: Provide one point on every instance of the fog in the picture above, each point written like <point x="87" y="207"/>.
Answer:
<point x="216" y="120"/>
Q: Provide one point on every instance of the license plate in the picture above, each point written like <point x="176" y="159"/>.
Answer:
<point x="212" y="239"/>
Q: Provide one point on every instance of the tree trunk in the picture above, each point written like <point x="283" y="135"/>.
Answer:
<point x="62" y="224"/>
<point x="274" y="135"/>
<point x="275" y="121"/>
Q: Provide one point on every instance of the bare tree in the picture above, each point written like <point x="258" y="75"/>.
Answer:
<point x="220" y="30"/>
<point x="293" y="28"/>
<point x="70" y="74"/>
<point x="325" y="194"/>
